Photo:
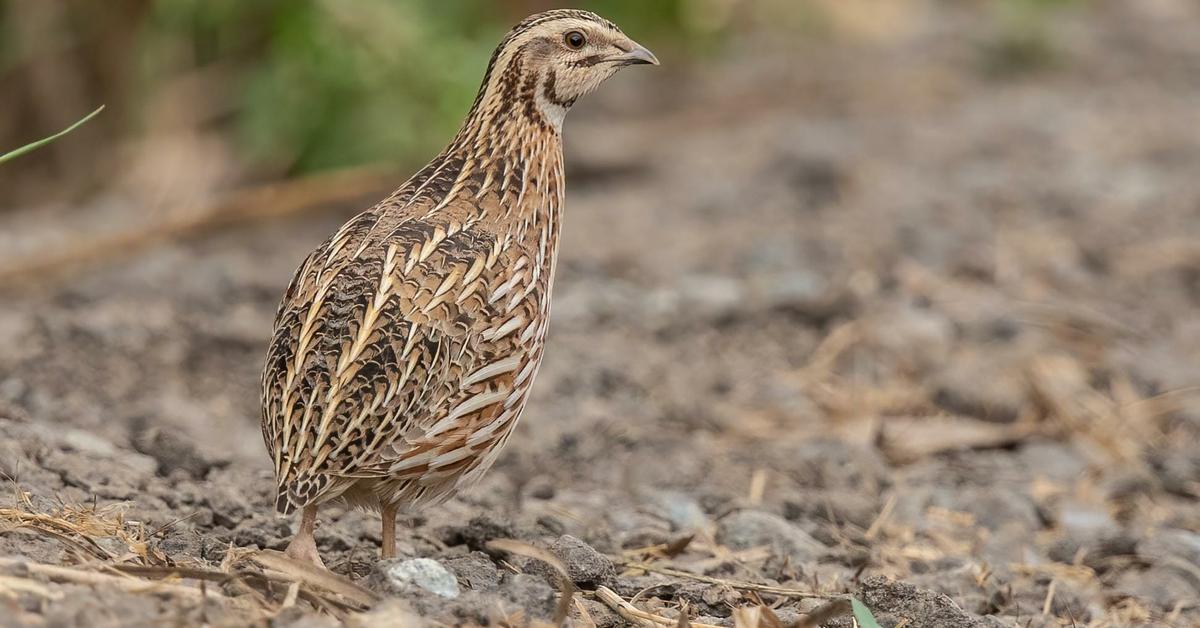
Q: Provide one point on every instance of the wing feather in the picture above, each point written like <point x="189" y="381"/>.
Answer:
<point x="373" y="338"/>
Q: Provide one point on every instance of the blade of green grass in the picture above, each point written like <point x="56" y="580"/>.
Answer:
<point x="42" y="142"/>
<point x="862" y="614"/>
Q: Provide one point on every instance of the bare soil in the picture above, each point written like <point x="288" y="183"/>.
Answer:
<point x="873" y="318"/>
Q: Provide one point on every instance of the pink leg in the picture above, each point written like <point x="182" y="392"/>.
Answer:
<point x="388" y="512"/>
<point x="303" y="546"/>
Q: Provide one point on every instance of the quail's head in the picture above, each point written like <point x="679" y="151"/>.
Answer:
<point x="563" y="55"/>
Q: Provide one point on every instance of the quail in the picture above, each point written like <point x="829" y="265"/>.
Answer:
<point x="405" y="347"/>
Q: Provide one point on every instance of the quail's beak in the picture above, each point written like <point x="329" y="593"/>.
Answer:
<point x="633" y="53"/>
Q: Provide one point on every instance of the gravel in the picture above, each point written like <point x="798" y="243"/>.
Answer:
<point x="734" y="330"/>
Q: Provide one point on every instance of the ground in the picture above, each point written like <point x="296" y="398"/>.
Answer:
<point x="887" y="317"/>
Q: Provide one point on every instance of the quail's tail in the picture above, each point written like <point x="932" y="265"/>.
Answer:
<point x="296" y="493"/>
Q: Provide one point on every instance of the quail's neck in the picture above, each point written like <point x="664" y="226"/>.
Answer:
<point x="511" y="147"/>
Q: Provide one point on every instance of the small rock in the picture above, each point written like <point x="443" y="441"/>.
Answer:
<point x="981" y="386"/>
<point x="531" y="593"/>
<point x="1177" y="470"/>
<point x="391" y="613"/>
<point x="478" y="531"/>
<point x="295" y="617"/>
<point x="895" y="603"/>
<point x="601" y="615"/>
<point x="87" y="443"/>
<point x="475" y="570"/>
<point x="586" y="567"/>
<point x="173" y="450"/>
<point x="1096" y="552"/>
<point x="682" y="511"/>
<point x="795" y="288"/>
<point x="541" y="487"/>
<point x="1179" y="544"/>
<point x="1164" y="587"/>
<point x="745" y="529"/>
<point x="921" y="336"/>
<point x="994" y="507"/>
<point x="835" y="507"/>
<point x="834" y="464"/>
<point x="711" y="296"/>
<point x="1086" y="520"/>
<point x="425" y="573"/>
<point x="229" y="505"/>
<point x="1059" y="462"/>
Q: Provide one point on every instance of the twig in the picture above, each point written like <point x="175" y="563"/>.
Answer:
<point x="566" y="586"/>
<point x="736" y="584"/>
<point x="758" y="486"/>
<point x="71" y="575"/>
<point x="261" y="203"/>
<point x="884" y="514"/>
<point x="285" y="568"/>
<point x="634" y="614"/>
<point x="15" y="584"/>
<point x="1049" y="603"/>
<point x="61" y="538"/>
<point x="824" y="613"/>
<point x="54" y="526"/>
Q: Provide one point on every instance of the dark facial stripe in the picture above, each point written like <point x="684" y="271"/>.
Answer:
<point x="550" y="92"/>
<point x="588" y="61"/>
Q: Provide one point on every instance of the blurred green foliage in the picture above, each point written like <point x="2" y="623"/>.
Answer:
<point x="1025" y="40"/>
<point x="304" y="85"/>
<point x="326" y="83"/>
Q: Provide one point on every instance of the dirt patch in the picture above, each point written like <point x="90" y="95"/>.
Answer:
<point x="894" y="327"/>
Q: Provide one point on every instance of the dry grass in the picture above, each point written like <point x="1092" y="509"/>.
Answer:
<point x="251" y="584"/>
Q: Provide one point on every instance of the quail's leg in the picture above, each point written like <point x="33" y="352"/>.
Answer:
<point x="304" y="546"/>
<point x="388" y="512"/>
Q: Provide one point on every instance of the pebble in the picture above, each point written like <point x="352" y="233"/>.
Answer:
<point x="981" y="386"/>
<point x="425" y="573"/>
<point x="585" y="566"/>
<point x="1166" y="587"/>
<point x="895" y="603"/>
<point x="745" y="529"/>
<point x="682" y="511"/>
<point x="1179" y="544"/>
<point x="475" y="570"/>
<point x="1086" y="520"/>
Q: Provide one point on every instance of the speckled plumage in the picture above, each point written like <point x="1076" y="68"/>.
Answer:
<point x="404" y="349"/>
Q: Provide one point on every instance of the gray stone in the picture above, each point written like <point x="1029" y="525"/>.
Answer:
<point x="585" y="566"/>
<point x="425" y="573"/>
<point x="982" y="386"/>
<point x="919" y="335"/>
<point x="683" y="511"/>
<point x="745" y="529"/>
<point x="392" y="613"/>
<point x="1162" y="587"/>
<point x="1171" y="544"/>
<point x="1086" y="520"/>
<point x="173" y="450"/>
<point x="835" y="507"/>
<point x="475" y="571"/>
<point x="711" y="295"/>
<point x="895" y="603"/>
<point x="1060" y="462"/>
<point x="531" y="593"/>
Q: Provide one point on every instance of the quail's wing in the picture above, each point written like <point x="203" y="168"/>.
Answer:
<point x="380" y="328"/>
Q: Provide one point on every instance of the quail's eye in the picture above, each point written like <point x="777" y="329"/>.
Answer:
<point x="575" y="39"/>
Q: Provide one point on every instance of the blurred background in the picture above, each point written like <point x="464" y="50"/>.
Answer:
<point x="205" y="95"/>
<point x="915" y="279"/>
